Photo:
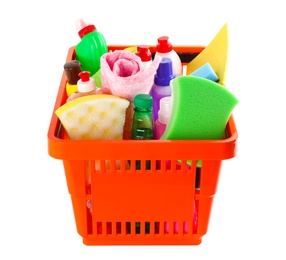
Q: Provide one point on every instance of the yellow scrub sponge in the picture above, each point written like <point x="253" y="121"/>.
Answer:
<point x="99" y="116"/>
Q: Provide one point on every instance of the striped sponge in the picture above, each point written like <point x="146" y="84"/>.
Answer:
<point x="201" y="109"/>
<point x="99" y="116"/>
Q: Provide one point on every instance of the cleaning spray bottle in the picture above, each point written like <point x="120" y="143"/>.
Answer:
<point x="86" y="86"/>
<point x="72" y="68"/>
<point x="165" y="49"/>
<point x="91" y="47"/>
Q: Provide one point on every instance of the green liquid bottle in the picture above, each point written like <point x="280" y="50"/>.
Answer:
<point x="142" y="125"/>
<point x="91" y="47"/>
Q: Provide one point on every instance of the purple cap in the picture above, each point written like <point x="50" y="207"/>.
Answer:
<point x="164" y="73"/>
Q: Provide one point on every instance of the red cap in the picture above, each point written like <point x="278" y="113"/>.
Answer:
<point x="85" y="83"/>
<point x="164" y="45"/>
<point x="86" y="30"/>
<point x="144" y="53"/>
<point x="84" y="76"/>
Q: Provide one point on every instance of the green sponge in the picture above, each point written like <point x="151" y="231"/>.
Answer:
<point x="201" y="109"/>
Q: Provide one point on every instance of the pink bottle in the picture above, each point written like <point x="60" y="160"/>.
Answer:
<point x="85" y="85"/>
<point x="164" y="114"/>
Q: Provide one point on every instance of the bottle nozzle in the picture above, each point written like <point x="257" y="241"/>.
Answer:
<point x="84" y="76"/>
<point x="83" y="27"/>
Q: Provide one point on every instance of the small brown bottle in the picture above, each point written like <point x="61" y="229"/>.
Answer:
<point x="72" y="68"/>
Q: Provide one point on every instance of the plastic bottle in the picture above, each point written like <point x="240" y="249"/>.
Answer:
<point x="164" y="114"/>
<point x="145" y="55"/>
<point x="165" y="49"/>
<point x="161" y="87"/>
<point x="91" y="47"/>
<point x="86" y="86"/>
<point x="142" y="125"/>
<point x="72" y="68"/>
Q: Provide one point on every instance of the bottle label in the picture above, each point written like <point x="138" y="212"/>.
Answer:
<point x="143" y="134"/>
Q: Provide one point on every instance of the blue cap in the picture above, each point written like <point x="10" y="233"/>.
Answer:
<point x="164" y="72"/>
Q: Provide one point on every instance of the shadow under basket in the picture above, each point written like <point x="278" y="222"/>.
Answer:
<point x="166" y="201"/>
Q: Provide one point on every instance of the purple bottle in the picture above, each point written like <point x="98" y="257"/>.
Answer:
<point x="161" y="87"/>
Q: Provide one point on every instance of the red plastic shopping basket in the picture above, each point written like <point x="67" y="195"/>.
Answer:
<point x="115" y="204"/>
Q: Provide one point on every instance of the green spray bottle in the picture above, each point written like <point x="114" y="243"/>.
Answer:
<point x="91" y="47"/>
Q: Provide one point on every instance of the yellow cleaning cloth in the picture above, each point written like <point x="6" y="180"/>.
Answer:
<point x="216" y="54"/>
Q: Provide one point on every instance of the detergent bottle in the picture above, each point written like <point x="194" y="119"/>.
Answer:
<point x="164" y="48"/>
<point x="91" y="47"/>
<point x="161" y="87"/>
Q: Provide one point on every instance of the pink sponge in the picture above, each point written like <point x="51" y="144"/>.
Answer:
<point x="201" y="109"/>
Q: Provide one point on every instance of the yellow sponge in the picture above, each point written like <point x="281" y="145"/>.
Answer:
<point x="100" y="116"/>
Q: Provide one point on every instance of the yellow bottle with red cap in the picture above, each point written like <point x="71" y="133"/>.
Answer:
<point x="72" y="69"/>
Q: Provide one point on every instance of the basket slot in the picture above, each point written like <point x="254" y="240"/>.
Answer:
<point x="118" y="228"/>
<point x="147" y="228"/>
<point x="128" y="227"/>
<point x="198" y="178"/>
<point x="89" y="221"/>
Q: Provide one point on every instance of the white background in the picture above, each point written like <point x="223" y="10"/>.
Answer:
<point x="248" y="216"/>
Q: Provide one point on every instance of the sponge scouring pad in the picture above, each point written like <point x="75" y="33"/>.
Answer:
<point x="201" y="109"/>
<point x="99" y="116"/>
